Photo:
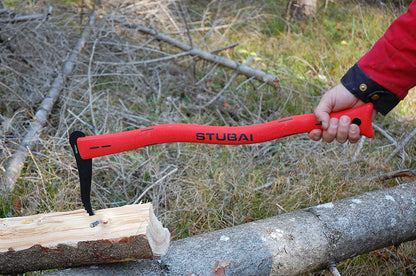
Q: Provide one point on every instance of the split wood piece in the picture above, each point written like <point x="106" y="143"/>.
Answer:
<point x="193" y="51"/>
<point x="68" y="239"/>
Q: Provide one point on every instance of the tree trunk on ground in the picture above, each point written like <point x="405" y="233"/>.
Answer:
<point x="293" y="243"/>
<point x="301" y="9"/>
<point x="59" y="240"/>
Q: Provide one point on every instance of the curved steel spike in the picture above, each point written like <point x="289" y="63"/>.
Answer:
<point x="84" y="171"/>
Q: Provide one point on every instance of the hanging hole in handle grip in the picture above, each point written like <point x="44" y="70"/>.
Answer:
<point x="356" y="121"/>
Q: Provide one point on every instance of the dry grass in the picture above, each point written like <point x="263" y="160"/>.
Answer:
<point x="196" y="188"/>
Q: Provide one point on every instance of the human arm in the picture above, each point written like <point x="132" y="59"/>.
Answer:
<point x="383" y="76"/>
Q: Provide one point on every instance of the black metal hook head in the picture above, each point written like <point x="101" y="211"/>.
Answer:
<point x="84" y="170"/>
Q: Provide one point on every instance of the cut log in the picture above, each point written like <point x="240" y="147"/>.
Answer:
<point x="67" y="239"/>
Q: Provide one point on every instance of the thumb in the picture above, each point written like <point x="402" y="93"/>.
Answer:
<point x="322" y="113"/>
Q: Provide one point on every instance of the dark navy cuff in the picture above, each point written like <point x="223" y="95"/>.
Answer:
<point x="367" y="90"/>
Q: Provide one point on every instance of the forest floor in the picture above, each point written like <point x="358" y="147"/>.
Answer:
<point x="124" y="80"/>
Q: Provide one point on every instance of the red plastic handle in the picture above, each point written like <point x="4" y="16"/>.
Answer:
<point x="100" y="145"/>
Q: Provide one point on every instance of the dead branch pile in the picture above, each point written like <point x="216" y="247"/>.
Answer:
<point x="33" y="51"/>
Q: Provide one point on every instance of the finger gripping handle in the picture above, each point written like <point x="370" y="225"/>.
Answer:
<point x="360" y="116"/>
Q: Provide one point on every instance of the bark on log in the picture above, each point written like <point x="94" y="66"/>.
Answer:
<point x="16" y="163"/>
<point x="66" y="239"/>
<point x="289" y="244"/>
<point x="239" y="67"/>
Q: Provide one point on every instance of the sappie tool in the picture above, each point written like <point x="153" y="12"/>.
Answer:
<point x="87" y="147"/>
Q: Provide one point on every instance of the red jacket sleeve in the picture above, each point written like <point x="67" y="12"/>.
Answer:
<point x="385" y="74"/>
<point x="392" y="60"/>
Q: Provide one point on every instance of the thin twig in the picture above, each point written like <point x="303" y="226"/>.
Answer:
<point x="385" y="134"/>
<point x="185" y="19"/>
<point x="215" y="52"/>
<point x="154" y="184"/>
<point x="207" y="75"/>
<point x="264" y="186"/>
<point x="45" y="18"/>
<point x="206" y="35"/>
<point x="359" y="148"/>
<point x="219" y="93"/>
<point x="90" y="88"/>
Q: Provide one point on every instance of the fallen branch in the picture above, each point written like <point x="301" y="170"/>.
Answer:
<point x="23" y="18"/>
<point x="16" y="164"/>
<point x="239" y="67"/>
<point x="395" y="174"/>
<point x="66" y="239"/>
<point x="290" y="244"/>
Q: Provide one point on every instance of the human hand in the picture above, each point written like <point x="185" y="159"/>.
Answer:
<point x="337" y="99"/>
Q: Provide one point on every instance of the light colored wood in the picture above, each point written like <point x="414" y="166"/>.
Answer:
<point x="112" y="235"/>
